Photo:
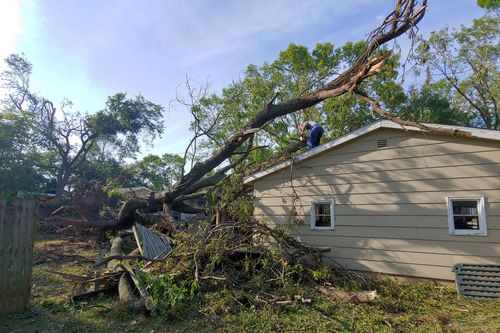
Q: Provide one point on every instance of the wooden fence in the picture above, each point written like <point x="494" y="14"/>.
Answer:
<point x="17" y="230"/>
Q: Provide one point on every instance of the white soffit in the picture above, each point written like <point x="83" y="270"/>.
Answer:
<point x="476" y="133"/>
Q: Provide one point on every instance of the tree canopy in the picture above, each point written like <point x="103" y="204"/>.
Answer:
<point x="256" y="118"/>
<point x="489" y="4"/>
<point x="64" y="136"/>
<point x="464" y="64"/>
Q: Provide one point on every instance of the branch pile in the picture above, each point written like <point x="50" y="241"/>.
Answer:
<point x="250" y="261"/>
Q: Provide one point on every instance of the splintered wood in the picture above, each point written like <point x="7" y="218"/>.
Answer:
<point x="96" y="282"/>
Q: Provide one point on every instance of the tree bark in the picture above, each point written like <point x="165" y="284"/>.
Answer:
<point x="405" y="16"/>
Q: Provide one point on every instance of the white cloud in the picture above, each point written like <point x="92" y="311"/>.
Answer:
<point x="10" y="27"/>
<point x="187" y="33"/>
<point x="243" y="25"/>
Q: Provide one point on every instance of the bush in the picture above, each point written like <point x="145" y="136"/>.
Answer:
<point x="166" y="294"/>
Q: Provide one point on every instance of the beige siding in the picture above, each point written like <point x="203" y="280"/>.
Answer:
<point x="287" y="198"/>
<point x="404" y="210"/>
<point x="390" y="203"/>
<point x="323" y="175"/>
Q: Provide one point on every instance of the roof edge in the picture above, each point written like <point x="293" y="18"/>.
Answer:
<point x="479" y="133"/>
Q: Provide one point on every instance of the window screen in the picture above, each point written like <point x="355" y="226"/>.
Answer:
<point x="322" y="214"/>
<point x="465" y="214"/>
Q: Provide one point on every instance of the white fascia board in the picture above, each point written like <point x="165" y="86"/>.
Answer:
<point x="319" y="149"/>
<point x="479" y="133"/>
<point x="476" y="133"/>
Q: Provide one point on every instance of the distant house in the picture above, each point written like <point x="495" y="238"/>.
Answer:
<point x="391" y="200"/>
<point x="138" y="191"/>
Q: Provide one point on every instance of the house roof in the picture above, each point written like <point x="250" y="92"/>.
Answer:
<point x="475" y="133"/>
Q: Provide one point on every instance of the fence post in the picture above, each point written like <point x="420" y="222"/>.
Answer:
<point x="17" y="230"/>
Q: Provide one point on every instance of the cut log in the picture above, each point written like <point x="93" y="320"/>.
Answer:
<point x="126" y="289"/>
<point x="346" y="296"/>
<point x="145" y="301"/>
<point x="116" y="250"/>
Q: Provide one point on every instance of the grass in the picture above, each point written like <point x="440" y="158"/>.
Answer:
<point x="401" y="307"/>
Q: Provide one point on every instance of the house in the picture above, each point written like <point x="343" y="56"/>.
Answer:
<point x="138" y="191"/>
<point x="391" y="199"/>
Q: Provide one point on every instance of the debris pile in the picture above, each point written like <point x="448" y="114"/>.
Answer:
<point x="255" y="264"/>
<point x="157" y="268"/>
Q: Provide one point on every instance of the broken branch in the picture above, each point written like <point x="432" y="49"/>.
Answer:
<point x="376" y="108"/>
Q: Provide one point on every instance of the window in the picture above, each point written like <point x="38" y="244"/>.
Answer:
<point x="322" y="214"/>
<point x="467" y="216"/>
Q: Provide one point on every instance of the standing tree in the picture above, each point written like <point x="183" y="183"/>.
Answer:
<point x="19" y="167"/>
<point x="121" y="124"/>
<point x="234" y="149"/>
<point x="157" y="172"/>
<point x="468" y="61"/>
<point x="432" y="104"/>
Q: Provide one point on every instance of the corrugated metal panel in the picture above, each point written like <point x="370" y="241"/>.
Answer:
<point x="152" y="244"/>
<point x="481" y="282"/>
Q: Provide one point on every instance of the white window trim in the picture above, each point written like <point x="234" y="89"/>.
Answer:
<point x="481" y="212"/>
<point x="312" y="214"/>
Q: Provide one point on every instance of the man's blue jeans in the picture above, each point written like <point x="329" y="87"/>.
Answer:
<point x="315" y="136"/>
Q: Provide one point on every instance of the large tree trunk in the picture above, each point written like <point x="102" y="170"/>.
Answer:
<point x="61" y="183"/>
<point x="405" y="16"/>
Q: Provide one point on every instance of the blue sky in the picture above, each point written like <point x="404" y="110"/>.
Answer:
<point x="88" y="50"/>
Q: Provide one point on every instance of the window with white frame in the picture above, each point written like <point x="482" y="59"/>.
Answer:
<point x="322" y="214"/>
<point x="467" y="216"/>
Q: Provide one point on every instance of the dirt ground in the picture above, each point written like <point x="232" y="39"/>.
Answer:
<point x="402" y="307"/>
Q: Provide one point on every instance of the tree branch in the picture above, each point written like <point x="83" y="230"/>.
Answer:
<point x="376" y="108"/>
<point x="406" y="15"/>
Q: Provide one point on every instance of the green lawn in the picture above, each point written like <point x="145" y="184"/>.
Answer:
<point x="400" y="307"/>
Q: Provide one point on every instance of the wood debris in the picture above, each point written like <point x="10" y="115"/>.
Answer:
<point x="346" y="296"/>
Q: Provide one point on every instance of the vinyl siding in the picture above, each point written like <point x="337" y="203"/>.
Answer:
<point x="390" y="203"/>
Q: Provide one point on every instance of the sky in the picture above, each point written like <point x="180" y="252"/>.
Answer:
<point x="88" y="50"/>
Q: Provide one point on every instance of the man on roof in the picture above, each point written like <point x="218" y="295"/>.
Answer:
<point x="314" y="133"/>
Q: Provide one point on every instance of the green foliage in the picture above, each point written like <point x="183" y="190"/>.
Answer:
<point x="228" y="193"/>
<point x="20" y="168"/>
<point x="467" y="61"/>
<point x="107" y="211"/>
<point x="242" y="207"/>
<point x="156" y="172"/>
<point x="101" y="168"/>
<point x="65" y="141"/>
<point x="166" y="294"/>
<point x="124" y="121"/>
<point x="432" y="104"/>
<point x="489" y="4"/>
<point x="322" y="273"/>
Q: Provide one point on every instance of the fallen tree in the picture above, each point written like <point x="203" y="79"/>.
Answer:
<point x="405" y="16"/>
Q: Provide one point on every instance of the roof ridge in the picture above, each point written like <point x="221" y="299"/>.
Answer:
<point x="480" y="133"/>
